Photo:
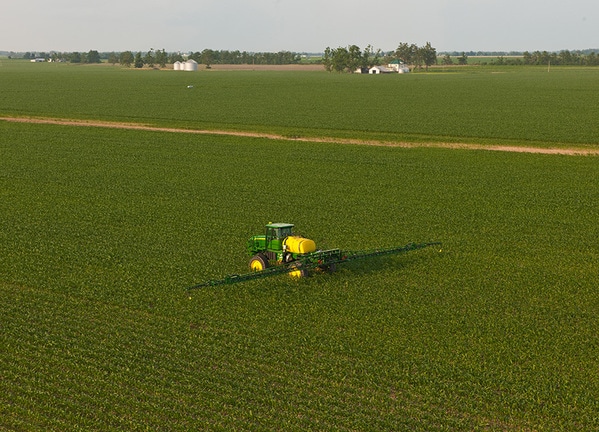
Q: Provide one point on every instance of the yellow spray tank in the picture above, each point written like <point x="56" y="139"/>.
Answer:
<point x="298" y="245"/>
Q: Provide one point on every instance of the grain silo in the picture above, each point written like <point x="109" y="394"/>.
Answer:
<point x="177" y="65"/>
<point x="191" y="65"/>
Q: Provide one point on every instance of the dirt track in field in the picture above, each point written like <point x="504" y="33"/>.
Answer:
<point x="461" y="146"/>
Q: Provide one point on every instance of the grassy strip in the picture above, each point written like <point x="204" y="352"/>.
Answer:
<point x="541" y="149"/>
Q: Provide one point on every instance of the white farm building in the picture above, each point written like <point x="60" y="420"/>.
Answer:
<point x="189" y="65"/>
<point x="380" y="70"/>
<point x="398" y="66"/>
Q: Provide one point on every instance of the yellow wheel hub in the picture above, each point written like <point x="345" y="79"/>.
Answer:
<point x="256" y="265"/>
<point x="295" y="274"/>
<point x="298" y="271"/>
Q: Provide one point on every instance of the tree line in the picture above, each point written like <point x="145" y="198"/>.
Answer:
<point x="209" y="57"/>
<point x="352" y="58"/>
<point x="342" y="59"/>
<point x="536" y="58"/>
<point x="160" y="58"/>
<point x="91" y="56"/>
<point x="563" y="58"/>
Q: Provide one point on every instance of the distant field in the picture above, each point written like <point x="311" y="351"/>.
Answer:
<point x="488" y="59"/>
<point x="101" y="231"/>
<point x="521" y="105"/>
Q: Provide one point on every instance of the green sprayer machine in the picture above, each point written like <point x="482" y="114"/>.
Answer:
<point x="281" y="251"/>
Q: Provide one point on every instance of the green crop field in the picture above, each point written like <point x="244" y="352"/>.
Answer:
<point x="101" y="231"/>
<point x="514" y="105"/>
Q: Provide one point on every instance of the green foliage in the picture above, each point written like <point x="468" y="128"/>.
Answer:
<point x="415" y="55"/>
<point x="139" y="62"/>
<point x="149" y="59"/>
<point x="126" y="58"/>
<point x="350" y="59"/>
<point x="209" y="57"/>
<point x="93" y="56"/>
<point x="565" y="58"/>
<point x="161" y="58"/>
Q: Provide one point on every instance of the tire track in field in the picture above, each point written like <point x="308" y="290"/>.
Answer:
<point x="458" y="146"/>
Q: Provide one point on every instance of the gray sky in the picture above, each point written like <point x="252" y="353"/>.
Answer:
<point x="297" y="25"/>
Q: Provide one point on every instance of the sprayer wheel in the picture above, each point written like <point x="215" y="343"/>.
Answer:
<point x="298" y="271"/>
<point x="258" y="262"/>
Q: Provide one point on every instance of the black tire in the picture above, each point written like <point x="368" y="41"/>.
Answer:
<point x="258" y="262"/>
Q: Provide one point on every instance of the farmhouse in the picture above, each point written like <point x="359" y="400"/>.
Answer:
<point x="398" y="66"/>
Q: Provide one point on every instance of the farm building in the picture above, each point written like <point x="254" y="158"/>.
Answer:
<point x="380" y="70"/>
<point x="398" y="66"/>
<point x="189" y="65"/>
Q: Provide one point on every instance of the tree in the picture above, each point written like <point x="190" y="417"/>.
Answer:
<point x="327" y="59"/>
<point x="428" y="54"/>
<point x="126" y="58"/>
<point x="113" y="58"/>
<point x="355" y="58"/>
<point x="447" y="60"/>
<point x="149" y="58"/>
<point x="591" y="59"/>
<point x="175" y="57"/>
<point x="161" y="58"/>
<point x="93" y="56"/>
<point x="340" y="59"/>
<point x="138" y="63"/>
<point x="207" y="57"/>
<point x="370" y="57"/>
<point x="463" y="59"/>
<point x="196" y="56"/>
<point x="406" y="53"/>
<point x="417" y="58"/>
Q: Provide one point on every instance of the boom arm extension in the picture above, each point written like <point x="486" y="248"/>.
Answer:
<point x="355" y="255"/>
<point x="313" y="260"/>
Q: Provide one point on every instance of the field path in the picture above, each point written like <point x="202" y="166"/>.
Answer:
<point x="145" y="127"/>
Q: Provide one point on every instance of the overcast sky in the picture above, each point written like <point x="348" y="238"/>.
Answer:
<point x="297" y="25"/>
